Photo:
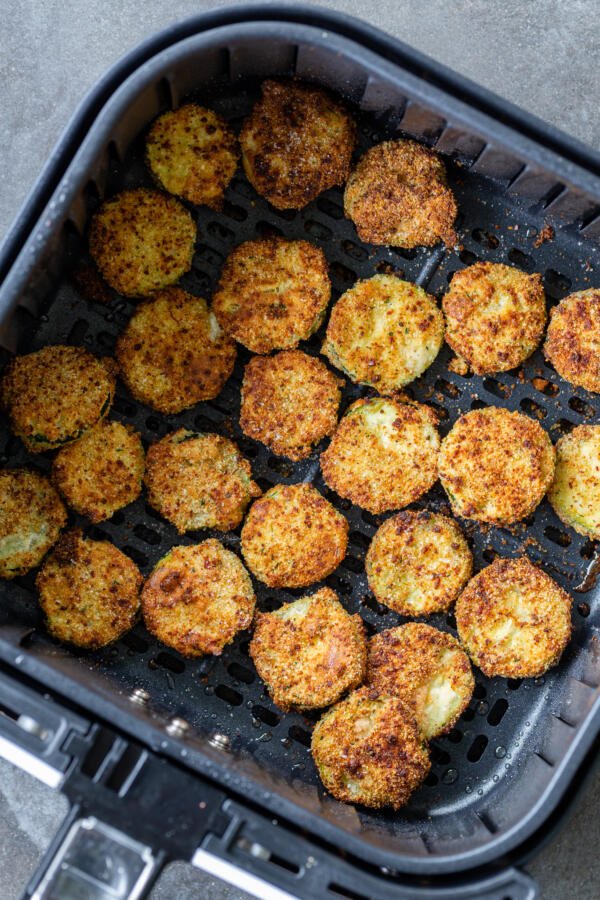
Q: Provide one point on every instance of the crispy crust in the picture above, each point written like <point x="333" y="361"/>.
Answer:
<point x="495" y="316"/>
<point x="198" y="481"/>
<point x="173" y="353"/>
<point x="384" y="332"/>
<point x="102" y="471"/>
<point x="573" y="339"/>
<point x="193" y="154"/>
<point x="368" y="749"/>
<point x="309" y="652"/>
<point x="272" y="293"/>
<point x="383" y="454"/>
<point x="54" y="395"/>
<point x="296" y="143"/>
<point x="293" y="536"/>
<point x="513" y="619"/>
<point x="496" y="465"/>
<point x="142" y="241"/>
<point x="89" y="591"/>
<point x="289" y="402"/>
<point x="575" y="491"/>
<point x="197" y="598"/>
<point x="427" y="669"/>
<point x="31" y="517"/>
<point x="418" y="562"/>
<point x="398" y="195"/>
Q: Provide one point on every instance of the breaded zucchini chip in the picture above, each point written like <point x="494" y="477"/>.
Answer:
<point x="289" y="402"/>
<point x="54" y="395"/>
<point x="293" y="536"/>
<point x="495" y="316"/>
<point x="309" y="652"/>
<point x="425" y="668"/>
<point x="398" y="195"/>
<point x="173" y="352"/>
<point x="296" y="143"/>
<point x="142" y="241"/>
<point x="272" y="293"/>
<point x="575" y="491"/>
<point x="418" y="562"/>
<point x="89" y="591"/>
<point x="198" y="481"/>
<point x="102" y="471"/>
<point x="496" y="465"/>
<point x="573" y="339"/>
<point x="192" y="153"/>
<point x="513" y="619"/>
<point x="197" y="598"/>
<point x="383" y="454"/>
<point x="368" y="749"/>
<point x="384" y="332"/>
<point x="31" y="517"/>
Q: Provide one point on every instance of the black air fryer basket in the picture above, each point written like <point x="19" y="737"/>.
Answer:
<point x="165" y="758"/>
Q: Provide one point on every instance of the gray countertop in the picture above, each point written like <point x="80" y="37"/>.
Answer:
<point x="543" y="55"/>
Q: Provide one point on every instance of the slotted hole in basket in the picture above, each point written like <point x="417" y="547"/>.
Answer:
<point x="557" y="536"/>
<point x="447" y="388"/>
<point x="330" y="208"/>
<point x="477" y="748"/>
<point x="220" y="231"/>
<point x="300" y="735"/>
<point x="354" y="250"/>
<point x="171" y="662"/>
<point x="232" y="211"/>
<point x="534" y="409"/>
<point x="588" y="550"/>
<point x="467" y="257"/>
<point x="342" y="273"/>
<point x="372" y="604"/>
<point x="347" y="893"/>
<point x="135" y="643"/>
<point x="565" y="426"/>
<point x="359" y="539"/>
<point x="148" y="535"/>
<point x="354" y="565"/>
<point x="267" y="230"/>
<point x="317" y="230"/>
<point x="496" y="713"/>
<point x="431" y="780"/>
<point x="580" y="406"/>
<point x="139" y="558"/>
<point x="479" y="691"/>
<point x="241" y="673"/>
<point x="583" y="609"/>
<point x="266" y="715"/>
<point x="520" y="259"/>
<point x="486" y="238"/>
<point x="513" y="684"/>
<point x="497" y="388"/>
<point x="439" y="756"/>
<point x="556" y="283"/>
<point x="477" y="403"/>
<point x="455" y="736"/>
<point x="545" y="387"/>
<point x="228" y="694"/>
<point x="124" y="407"/>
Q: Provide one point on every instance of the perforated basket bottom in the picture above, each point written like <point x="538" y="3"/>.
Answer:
<point x="506" y="721"/>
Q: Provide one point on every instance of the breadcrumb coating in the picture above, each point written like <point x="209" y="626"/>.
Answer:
<point x="398" y="195"/>
<point x="31" y="518"/>
<point x="496" y="465"/>
<point x="293" y="536"/>
<point x="513" y="619"/>
<point x="197" y="598"/>
<point x="272" y="293"/>
<point x="289" y="402"/>
<point x="296" y="143"/>
<point x="573" y="339"/>
<point x="575" y="491"/>
<point x="309" y="652"/>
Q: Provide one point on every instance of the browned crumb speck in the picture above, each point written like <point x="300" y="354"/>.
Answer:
<point x="289" y="402"/>
<point x="309" y="652"/>
<point x="197" y="598"/>
<point x="495" y="316"/>
<point x="573" y="339"/>
<point x="296" y="143"/>
<point x="272" y="293"/>
<point x="398" y="195"/>
<point x="52" y="396"/>
<point x="173" y="352"/>
<point x="89" y="591"/>
<point x="293" y="536"/>
<point x="496" y="465"/>
<point x="368" y="749"/>
<point x="513" y="619"/>
<point x="546" y="234"/>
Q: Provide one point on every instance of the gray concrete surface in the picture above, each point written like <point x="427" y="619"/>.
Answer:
<point x="542" y="54"/>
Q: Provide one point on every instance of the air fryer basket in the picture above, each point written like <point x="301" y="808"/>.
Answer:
<point x="507" y="763"/>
